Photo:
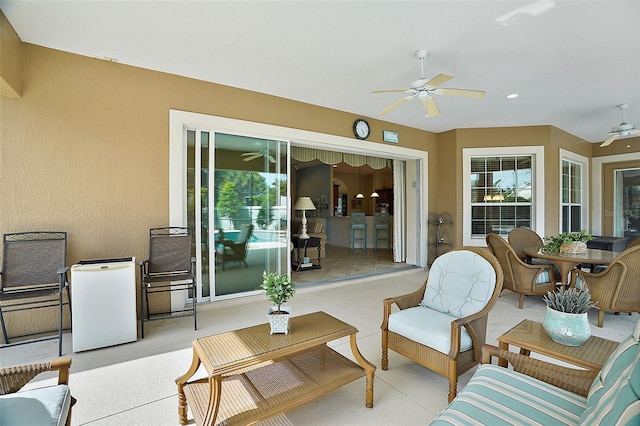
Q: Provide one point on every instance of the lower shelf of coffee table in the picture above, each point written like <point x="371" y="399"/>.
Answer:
<point x="272" y="387"/>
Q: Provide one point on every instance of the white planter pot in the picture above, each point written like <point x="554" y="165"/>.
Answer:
<point x="279" y="322"/>
<point x="567" y="329"/>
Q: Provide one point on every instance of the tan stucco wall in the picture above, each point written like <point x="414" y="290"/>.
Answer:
<point x="85" y="149"/>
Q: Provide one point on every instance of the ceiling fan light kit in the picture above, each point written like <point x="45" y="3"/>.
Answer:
<point x="621" y="130"/>
<point x="423" y="89"/>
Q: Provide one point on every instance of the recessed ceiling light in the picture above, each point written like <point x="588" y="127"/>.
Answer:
<point x="512" y="96"/>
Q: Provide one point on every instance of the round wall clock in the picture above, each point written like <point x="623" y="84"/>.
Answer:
<point x="361" y="129"/>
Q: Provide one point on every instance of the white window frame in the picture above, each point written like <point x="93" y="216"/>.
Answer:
<point x="596" y="186"/>
<point x="584" y="187"/>
<point x="417" y="177"/>
<point x="537" y="194"/>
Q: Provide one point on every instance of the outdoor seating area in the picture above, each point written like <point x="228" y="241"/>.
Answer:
<point x="406" y="393"/>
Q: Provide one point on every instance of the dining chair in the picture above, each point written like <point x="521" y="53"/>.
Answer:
<point x="616" y="288"/>
<point x="520" y="277"/>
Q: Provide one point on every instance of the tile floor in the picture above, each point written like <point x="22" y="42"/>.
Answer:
<point x="133" y="384"/>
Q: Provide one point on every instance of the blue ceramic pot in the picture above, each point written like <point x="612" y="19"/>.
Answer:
<point x="567" y="329"/>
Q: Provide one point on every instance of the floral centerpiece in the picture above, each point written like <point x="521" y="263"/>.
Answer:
<point x="567" y="242"/>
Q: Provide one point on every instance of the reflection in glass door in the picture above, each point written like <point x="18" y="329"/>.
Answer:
<point x="250" y="216"/>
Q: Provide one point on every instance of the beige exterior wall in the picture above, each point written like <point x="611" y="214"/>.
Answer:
<point x="85" y="148"/>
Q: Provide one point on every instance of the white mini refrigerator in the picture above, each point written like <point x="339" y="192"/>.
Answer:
<point x="103" y="303"/>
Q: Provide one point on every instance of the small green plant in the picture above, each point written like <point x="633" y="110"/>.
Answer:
<point x="278" y="287"/>
<point x="554" y="242"/>
<point x="571" y="301"/>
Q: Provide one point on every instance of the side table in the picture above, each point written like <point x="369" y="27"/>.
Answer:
<point x="301" y="245"/>
<point x="530" y="336"/>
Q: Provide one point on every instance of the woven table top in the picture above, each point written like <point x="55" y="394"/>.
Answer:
<point x="229" y="351"/>
<point x="530" y="335"/>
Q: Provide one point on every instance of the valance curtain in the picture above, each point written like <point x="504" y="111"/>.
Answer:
<point x="332" y="157"/>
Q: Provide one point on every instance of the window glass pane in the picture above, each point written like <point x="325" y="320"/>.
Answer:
<point x="505" y="192"/>
<point x="576" y="213"/>
<point x="477" y="165"/>
<point x="565" y="218"/>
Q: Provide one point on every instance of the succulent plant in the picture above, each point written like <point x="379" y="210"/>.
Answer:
<point x="572" y="300"/>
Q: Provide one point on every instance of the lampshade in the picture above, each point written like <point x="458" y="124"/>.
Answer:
<point x="359" y="195"/>
<point x="374" y="194"/>
<point x="304" y="203"/>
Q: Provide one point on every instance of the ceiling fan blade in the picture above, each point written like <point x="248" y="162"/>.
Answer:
<point x="438" y="80"/>
<point x="462" y="92"/>
<point x="609" y="141"/>
<point x="395" y="105"/>
<point x="430" y="107"/>
<point x="252" y="156"/>
<point x="392" y="91"/>
<point x="272" y="159"/>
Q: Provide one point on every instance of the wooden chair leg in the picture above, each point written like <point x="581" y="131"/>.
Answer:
<point x="600" y="318"/>
<point x="521" y="303"/>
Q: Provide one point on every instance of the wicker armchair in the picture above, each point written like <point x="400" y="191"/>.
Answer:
<point x="520" y="238"/>
<point x="617" y="288"/>
<point x="520" y="277"/>
<point x="470" y="276"/>
<point x="41" y="406"/>
<point x="235" y="251"/>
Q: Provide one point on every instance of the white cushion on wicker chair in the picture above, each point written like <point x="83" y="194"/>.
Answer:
<point x="460" y="283"/>
<point x="42" y="406"/>
<point x="427" y="327"/>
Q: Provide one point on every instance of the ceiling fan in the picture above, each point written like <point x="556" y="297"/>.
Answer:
<point x="621" y="130"/>
<point x="424" y="90"/>
<point x="249" y="156"/>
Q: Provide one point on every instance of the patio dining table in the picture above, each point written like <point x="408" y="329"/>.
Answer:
<point x="567" y="261"/>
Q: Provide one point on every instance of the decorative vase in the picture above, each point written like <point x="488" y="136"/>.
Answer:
<point x="565" y="328"/>
<point x="279" y="322"/>
<point x="573" y="247"/>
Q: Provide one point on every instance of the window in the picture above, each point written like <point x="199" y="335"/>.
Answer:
<point x="574" y="193"/>
<point x="502" y="188"/>
<point x="571" y="196"/>
<point x="500" y="194"/>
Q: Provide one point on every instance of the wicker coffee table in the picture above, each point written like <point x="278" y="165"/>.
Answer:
<point x="252" y="375"/>
<point x="530" y="336"/>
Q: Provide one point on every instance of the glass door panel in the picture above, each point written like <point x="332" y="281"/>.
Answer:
<point x="250" y="188"/>
<point x="626" y="217"/>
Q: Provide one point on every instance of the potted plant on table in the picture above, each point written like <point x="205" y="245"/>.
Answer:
<point x="566" y="320"/>
<point x="278" y="289"/>
<point x="567" y="242"/>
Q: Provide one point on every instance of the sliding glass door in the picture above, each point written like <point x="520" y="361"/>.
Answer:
<point x="239" y="215"/>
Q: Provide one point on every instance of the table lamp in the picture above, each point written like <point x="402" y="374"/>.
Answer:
<point x="304" y="203"/>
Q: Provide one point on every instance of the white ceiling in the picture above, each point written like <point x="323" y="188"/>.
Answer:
<point x="571" y="62"/>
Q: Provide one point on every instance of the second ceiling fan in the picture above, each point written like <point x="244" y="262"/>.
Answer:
<point x="424" y="90"/>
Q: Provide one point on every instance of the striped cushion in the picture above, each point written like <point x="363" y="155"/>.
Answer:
<point x="614" y="397"/>
<point x="499" y="396"/>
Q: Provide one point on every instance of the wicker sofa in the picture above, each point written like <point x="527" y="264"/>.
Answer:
<point x="315" y="228"/>
<point x="538" y="392"/>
